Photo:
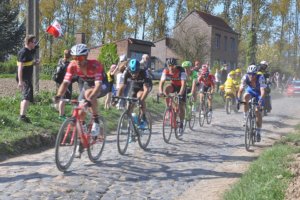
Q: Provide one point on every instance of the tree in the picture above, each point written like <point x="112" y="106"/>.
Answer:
<point x="108" y="55"/>
<point x="11" y="31"/>
<point x="189" y="44"/>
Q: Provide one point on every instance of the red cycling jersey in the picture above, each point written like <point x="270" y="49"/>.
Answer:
<point x="175" y="77"/>
<point x="94" y="71"/>
<point x="207" y="82"/>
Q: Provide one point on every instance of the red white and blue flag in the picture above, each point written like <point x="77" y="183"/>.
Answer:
<point x="55" y="29"/>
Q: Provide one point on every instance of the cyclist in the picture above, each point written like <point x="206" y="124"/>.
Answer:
<point x="140" y="85"/>
<point x="177" y="76"/>
<point x="230" y="85"/>
<point x="206" y="84"/>
<point x="92" y="73"/>
<point x="255" y="87"/>
<point x="263" y="70"/>
<point x="191" y="78"/>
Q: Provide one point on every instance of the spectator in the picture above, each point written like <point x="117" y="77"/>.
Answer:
<point x="217" y="79"/>
<point x="25" y="62"/>
<point x="59" y="77"/>
<point x="197" y="66"/>
<point x="223" y="73"/>
<point x="120" y="80"/>
<point x="110" y="78"/>
<point x="145" y="62"/>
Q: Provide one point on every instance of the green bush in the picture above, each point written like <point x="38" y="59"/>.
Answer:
<point x="10" y="66"/>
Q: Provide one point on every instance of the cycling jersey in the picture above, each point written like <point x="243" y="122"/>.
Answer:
<point x="176" y="77"/>
<point x="207" y="82"/>
<point x="230" y="83"/>
<point x="142" y="78"/>
<point x="260" y="82"/>
<point x="94" y="72"/>
<point x="191" y="78"/>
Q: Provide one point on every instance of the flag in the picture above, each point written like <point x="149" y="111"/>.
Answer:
<point x="55" y="29"/>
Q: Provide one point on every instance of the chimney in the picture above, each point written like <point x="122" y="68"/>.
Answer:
<point x="80" y="38"/>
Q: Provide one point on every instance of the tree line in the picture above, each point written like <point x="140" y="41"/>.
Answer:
<point x="268" y="29"/>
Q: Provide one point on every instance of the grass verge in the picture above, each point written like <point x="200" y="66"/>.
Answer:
<point x="17" y="137"/>
<point x="269" y="176"/>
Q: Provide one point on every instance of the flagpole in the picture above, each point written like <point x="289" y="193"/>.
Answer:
<point x="41" y="38"/>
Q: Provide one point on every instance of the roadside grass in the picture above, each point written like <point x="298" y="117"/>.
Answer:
<point x="17" y="136"/>
<point x="269" y="176"/>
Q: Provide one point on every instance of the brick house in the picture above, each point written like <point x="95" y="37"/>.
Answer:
<point x="132" y="48"/>
<point x="222" y="40"/>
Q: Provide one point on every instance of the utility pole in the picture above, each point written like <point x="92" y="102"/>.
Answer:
<point x="32" y="27"/>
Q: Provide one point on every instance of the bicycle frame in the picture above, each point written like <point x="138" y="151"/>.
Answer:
<point x="84" y="138"/>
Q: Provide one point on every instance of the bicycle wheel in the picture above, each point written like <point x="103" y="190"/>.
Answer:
<point x="124" y="128"/>
<point x="202" y="111"/>
<point x="144" y="135"/>
<point x="96" y="144"/>
<point x="253" y="131"/>
<point x="65" y="145"/>
<point x="228" y="105"/>
<point x="188" y="113"/>
<point x="168" y="124"/>
<point x="192" y="116"/>
<point x="248" y="132"/>
<point x="208" y="113"/>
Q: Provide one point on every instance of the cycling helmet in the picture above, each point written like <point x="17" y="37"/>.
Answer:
<point x="238" y="70"/>
<point x="186" y="64"/>
<point x="263" y="65"/>
<point x="252" y="69"/>
<point x="79" y="50"/>
<point x="205" y="72"/>
<point x="232" y="73"/>
<point x="134" y="66"/>
<point x="171" y="61"/>
<point x="204" y="66"/>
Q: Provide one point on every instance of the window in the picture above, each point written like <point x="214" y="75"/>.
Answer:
<point x="225" y="43"/>
<point x="218" y="41"/>
<point x="232" y="42"/>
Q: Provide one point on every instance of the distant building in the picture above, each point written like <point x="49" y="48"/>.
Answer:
<point x="222" y="40"/>
<point x="132" y="48"/>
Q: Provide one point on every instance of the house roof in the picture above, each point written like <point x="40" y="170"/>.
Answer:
<point x="211" y="20"/>
<point x="137" y="41"/>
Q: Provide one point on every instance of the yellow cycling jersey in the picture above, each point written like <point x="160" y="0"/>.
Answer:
<point x="230" y="83"/>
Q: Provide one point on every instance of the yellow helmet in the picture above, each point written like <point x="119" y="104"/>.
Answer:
<point x="238" y="70"/>
<point x="232" y="73"/>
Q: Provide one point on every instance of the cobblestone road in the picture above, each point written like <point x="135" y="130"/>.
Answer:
<point x="163" y="172"/>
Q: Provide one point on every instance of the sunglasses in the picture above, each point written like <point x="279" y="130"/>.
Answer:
<point x="171" y="65"/>
<point x="79" y="58"/>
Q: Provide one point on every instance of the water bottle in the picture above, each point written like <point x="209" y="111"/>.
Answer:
<point x="135" y="118"/>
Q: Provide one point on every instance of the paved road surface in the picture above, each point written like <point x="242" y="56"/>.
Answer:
<point x="166" y="171"/>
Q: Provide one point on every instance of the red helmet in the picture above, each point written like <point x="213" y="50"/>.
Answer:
<point x="204" y="72"/>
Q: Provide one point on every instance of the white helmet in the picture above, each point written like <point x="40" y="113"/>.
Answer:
<point x="79" y="50"/>
<point x="252" y="69"/>
<point x="264" y="63"/>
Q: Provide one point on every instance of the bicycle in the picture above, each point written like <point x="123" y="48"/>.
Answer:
<point x="170" y="123"/>
<point x="72" y="131"/>
<point x="204" y="112"/>
<point x="250" y="126"/>
<point x="190" y="116"/>
<point x="229" y="101"/>
<point x="130" y="129"/>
